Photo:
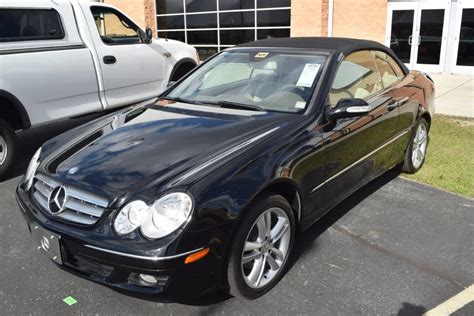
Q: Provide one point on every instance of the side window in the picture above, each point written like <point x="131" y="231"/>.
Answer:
<point x="115" y="28"/>
<point x="30" y="25"/>
<point x="356" y="77"/>
<point x="387" y="74"/>
<point x="395" y="66"/>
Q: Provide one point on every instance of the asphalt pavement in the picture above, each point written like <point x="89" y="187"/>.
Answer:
<point x="395" y="247"/>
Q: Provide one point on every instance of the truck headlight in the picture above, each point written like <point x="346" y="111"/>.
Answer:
<point x="32" y="168"/>
<point x="160" y="219"/>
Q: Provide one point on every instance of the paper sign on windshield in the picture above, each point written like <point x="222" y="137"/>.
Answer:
<point x="308" y="75"/>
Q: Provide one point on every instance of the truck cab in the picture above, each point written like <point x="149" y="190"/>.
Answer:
<point x="66" y="58"/>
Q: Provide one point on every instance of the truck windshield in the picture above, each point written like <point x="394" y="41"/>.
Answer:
<point x="253" y="79"/>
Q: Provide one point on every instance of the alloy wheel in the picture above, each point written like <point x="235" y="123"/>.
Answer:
<point x="266" y="248"/>
<point x="3" y="150"/>
<point x="420" y="142"/>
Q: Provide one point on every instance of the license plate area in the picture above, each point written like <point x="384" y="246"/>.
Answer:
<point x="47" y="242"/>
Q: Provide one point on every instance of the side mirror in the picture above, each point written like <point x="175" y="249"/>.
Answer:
<point x="145" y="37"/>
<point x="346" y="108"/>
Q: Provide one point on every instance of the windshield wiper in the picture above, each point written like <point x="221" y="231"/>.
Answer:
<point x="236" y="105"/>
<point x="177" y="99"/>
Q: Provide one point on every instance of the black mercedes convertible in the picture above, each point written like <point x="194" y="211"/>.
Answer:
<point x="205" y="187"/>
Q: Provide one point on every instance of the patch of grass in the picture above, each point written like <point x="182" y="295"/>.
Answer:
<point x="449" y="163"/>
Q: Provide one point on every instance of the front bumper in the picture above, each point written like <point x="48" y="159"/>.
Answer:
<point x="101" y="263"/>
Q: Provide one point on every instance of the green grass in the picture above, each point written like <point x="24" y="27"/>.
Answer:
<point x="449" y="163"/>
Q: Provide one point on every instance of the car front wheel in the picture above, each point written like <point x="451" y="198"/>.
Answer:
<point x="7" y="143"/>
<point x="416" y="151"/>
<point x="261" y="248"/>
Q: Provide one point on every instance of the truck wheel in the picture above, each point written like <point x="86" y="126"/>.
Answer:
<point x="181" y="70"/>
<point x="7" y="147"/>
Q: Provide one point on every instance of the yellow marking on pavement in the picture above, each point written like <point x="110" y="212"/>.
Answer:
<point x="454" y="303"/>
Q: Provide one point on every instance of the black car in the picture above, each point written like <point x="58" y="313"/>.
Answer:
<point x="205" y="187"/>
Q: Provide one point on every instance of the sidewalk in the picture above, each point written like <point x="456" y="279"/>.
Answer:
<point x="454" y="94"/>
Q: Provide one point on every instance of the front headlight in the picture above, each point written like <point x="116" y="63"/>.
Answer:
<point x="158" y="220"/>
<point x="30" y="172"/>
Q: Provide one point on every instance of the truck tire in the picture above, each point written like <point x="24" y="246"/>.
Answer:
<point x="7" y="148"/>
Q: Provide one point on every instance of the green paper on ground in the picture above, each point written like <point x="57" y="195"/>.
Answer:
<point x="70" y="300"/>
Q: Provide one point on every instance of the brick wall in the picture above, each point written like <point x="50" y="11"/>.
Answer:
<point x="364" y="19"/>
<point x="309" y="17"/>
<point x="142" y="12"/>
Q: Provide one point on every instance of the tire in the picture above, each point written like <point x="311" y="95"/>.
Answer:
<point x="248" y="280"/>
<point x="7" y="148"/>
<point x="412" y="164"/>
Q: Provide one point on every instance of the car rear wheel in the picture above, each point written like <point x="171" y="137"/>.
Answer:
<point x="261" y="248"/>
<point x="7" y="145"/>
<point x="416" y="151"/>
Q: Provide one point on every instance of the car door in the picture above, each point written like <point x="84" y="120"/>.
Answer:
<point x="357" y="149"/>
<point x="131" y="70"/>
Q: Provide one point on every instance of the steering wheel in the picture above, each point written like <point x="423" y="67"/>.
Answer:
<point x="300" y="91"/>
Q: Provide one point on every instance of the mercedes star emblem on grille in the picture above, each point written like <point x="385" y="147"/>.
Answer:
<point x="57" y="200"/>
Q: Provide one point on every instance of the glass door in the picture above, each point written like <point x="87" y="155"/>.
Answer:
<point x="417" y="33"/>
<point x="464" y="39"/>
<point x="430" y="37"/>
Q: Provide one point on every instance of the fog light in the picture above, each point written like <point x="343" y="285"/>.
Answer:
<point x="147" y="280"/>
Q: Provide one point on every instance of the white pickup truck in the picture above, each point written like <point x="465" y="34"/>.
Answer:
<point x="67" y="58"/>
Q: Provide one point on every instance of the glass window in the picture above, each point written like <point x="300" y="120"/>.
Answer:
<point x="269" y="33"/>
<point x="401" y="31"/>
<point x="114" y="28"/>
<point x="169" y="6"/>
<point x="273" y="3"/>
<point x="201" y="5"/>
<point x="237" y="19"/>
<point x="393" y="64"/>
<point x="29" y="24"/>
<point x="236" y="4"/>
<point x="202" y="37"/>
<point x="466" y="39"/>
<point x="206" y="52"/>
<point x="176" y="35"/>
<point x="387" y="74"/>
<point x="200" y="21"/>
<point x="356" y="77"/>
<point x="266" y="79"/>
<point x="171" y="22"/>
<point x="235" y="37"/>
<point x="431" y="32"/>
<point x="273" y="18"/>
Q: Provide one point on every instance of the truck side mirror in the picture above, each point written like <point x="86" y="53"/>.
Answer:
<point x="148" y="35"/>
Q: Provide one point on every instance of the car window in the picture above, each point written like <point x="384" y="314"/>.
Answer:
<point x="115" y="28"/>
<point x="268" y="79"/>
<point x="30" y="25"/>
<point x="393" y="64"/>
<point x="356" y="77"/>
<point x="387" y="74"/>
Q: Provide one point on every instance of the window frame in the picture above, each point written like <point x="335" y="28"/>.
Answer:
<point x="61" y="31"/>
<point x="400" y="78"/>
<point x="123" y="17"/>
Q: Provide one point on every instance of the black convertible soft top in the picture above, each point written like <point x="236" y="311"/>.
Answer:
<point x="339" y="44"/>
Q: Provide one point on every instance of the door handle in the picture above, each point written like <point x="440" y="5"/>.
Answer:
<point x="109" y="59"/>
<point x="393" y="104"/>
<point x="410" y="40"/>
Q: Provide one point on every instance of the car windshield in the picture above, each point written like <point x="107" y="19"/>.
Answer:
<point x="255" y="80"/>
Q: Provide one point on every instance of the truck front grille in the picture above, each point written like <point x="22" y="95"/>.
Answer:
<point x="66" y="202"/>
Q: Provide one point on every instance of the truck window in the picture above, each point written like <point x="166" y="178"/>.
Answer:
<point x="114" y="28"/>
<point x="30" y="25"/>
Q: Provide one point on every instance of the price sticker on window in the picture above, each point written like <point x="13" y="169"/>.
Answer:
<point x="308" y="75"/>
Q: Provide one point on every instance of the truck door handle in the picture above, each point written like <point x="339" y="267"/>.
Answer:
<point x="109" y="60"/>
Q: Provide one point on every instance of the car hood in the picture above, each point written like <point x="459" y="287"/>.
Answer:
<point x="130" y="149"/>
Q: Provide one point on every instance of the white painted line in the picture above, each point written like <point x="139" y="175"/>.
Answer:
<point x="453" y="304"/>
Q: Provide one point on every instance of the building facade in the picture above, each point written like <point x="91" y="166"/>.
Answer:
<point x="430" y="35"/>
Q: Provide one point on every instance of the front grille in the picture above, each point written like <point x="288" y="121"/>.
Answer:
<point x="78" y="206"/>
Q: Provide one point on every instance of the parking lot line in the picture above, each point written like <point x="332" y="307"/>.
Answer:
<point x="454" y="303"/>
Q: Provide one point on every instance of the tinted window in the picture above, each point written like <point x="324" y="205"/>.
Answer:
<point x="171" y="22"/>
<point x="114" y="28"/>
<point x="273" y="3"/>
<point x="273" y="18"/>
<point x="356" y="77"/>
<point x="28" y="25"/>
<point x="197" y="21"/>
<point x="236" y="4"/>
<point x="237" y="19"/>
<point x="235" y="37"/>
<point x="169" y="6"/>
<point x="176" y="35"/>
<point x="202" y="37"/>
<point x="200" y="5"/>
<point x="261" y="34"/>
